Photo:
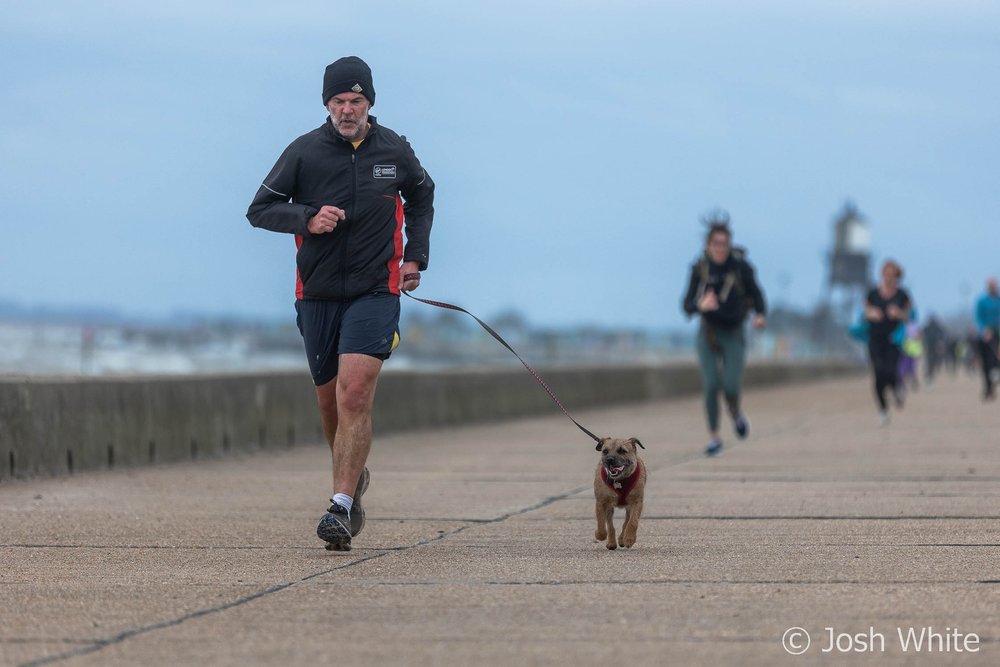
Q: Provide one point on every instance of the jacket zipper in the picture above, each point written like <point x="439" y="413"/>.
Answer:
<point x="347" y="231"/>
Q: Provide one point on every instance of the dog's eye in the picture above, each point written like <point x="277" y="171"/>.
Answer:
<point x="621" y="450"/>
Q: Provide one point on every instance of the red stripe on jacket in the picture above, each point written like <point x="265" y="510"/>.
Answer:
<point x="397" y="240"/>
<point x="298" y="278"/>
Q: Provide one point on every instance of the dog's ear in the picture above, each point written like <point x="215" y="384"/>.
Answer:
<point x="636" y="441"/>
<point x="600" y="443"/>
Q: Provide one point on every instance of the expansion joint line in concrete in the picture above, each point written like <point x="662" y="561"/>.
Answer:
<point x="100" y="644"/>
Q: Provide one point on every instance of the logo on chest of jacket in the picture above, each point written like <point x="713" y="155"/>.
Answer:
<point x="384" y="171"/>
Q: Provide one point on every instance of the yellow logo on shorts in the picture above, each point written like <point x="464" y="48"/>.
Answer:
<point x="395" y="341"/>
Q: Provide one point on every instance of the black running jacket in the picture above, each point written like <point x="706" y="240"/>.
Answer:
<point x="381" y="186"/>
<point x="735" y="284"/>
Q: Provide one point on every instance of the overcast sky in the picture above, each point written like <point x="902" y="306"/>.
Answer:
<point x="575" y="144"/>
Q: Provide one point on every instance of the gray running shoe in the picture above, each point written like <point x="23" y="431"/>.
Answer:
<point x="335" y="528"/>
<point x="358" y="512"/>
<point x="338" y="526"/>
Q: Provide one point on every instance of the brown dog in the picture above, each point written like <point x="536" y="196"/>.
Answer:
<point x="619" y="481"/>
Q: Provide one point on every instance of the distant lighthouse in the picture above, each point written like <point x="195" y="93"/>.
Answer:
<point x="850" y="263"/>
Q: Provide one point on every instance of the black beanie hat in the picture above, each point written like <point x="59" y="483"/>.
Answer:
<point x="349" y="73"/>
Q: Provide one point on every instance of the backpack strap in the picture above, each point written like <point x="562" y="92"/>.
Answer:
<point x="733" y="278"/>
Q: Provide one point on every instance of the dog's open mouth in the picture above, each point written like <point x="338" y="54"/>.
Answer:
<point x="615" y="471"/>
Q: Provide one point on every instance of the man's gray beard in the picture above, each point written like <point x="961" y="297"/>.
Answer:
<point x="362" y="124"/>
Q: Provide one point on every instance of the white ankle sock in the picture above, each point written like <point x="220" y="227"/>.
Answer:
<point x="343" y="500"/>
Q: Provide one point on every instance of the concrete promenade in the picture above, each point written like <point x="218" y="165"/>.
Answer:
<point x="479" y="546"/>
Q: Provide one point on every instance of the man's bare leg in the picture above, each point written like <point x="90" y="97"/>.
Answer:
<point x="345" y="409"/>
<point x="326" y="396"/>
<point x="355" y="393"/>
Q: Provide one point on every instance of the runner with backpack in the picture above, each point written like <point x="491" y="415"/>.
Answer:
<point x="722" y="290"/>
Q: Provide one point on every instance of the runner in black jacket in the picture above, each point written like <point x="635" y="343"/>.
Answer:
<point x="362" y="254"/>
<point x="346" y="190"/>
<point x="722" y="290"/>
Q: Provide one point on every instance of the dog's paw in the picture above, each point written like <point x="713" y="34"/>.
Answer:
<point x="612" y="545"/>
<point x="600" y="536"/>
<point x="626" y="540"/>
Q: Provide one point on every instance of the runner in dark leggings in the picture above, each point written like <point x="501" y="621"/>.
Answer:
<point x="886" y="307"/>
<point x="722" y="290"/>
<point x="988" y="326"/>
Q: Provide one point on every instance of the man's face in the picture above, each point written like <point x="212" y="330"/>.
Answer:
<point x="349" y="112"/>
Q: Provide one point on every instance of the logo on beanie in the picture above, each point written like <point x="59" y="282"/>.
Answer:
<point x="357" y="88"/>
<point x="384" y="171"/>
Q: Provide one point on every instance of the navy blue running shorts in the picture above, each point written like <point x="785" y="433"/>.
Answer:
<point x="367" y="324"/>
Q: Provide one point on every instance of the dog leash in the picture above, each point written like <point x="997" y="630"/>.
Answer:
<point x="490" y="331"/>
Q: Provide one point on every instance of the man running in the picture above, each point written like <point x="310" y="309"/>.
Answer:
<point x="346" y="190"/>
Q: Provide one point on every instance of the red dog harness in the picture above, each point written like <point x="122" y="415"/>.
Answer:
<point x="622" y="487"/>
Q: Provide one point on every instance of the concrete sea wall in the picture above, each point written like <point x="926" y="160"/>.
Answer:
<point x="60" y="426"/>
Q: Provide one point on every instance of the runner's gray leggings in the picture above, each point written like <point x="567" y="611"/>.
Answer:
<point x="731" y="356"/>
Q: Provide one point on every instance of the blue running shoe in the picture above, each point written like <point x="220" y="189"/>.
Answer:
<point x="742" y="426"/>
<point x="714" y="448"/>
